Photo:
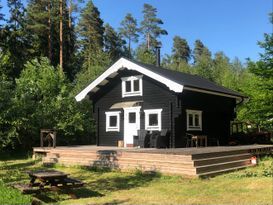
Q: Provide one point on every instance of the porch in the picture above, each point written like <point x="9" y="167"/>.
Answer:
<point x="205" y="161"/>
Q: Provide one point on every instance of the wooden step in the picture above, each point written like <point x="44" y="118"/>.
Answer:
<point x="221" y="166"/>
<point x="214" y="173"/>
<point x="218" y="154"/>
<point x="221" y="159"/>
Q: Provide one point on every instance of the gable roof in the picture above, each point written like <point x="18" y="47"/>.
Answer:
<point x="174" y="80"/>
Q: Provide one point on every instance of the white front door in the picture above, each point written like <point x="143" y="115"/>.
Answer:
<point x="131" y="124"/>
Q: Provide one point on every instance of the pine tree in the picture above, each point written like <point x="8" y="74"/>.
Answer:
<point x="43" y="23"/>
<point x="16" y="42"/>
<point x="200" y="51"/>
<point x="113" y="44"/>
<point x="90" y="29"/>
<point x="129" y="30"/>
<point x="181" y="50"/>
<point x="1" y="16"/>
<point x="150" y="26"/>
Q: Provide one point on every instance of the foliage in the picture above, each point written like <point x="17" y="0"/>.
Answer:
<point x="144" y="55"/>
<point x="113" y="43"/>
<point x="150" y="26"/>
<point x="8" y="132"/>
<point x="129" y="30"/>
<point x="181" y="50"/>
<point x="42" y="100"/>
<point x="259" y="87"/>
<point x="90" y="29"/>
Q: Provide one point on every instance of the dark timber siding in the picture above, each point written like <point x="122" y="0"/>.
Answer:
<point x="217" y="113"/>
<point x="155" y="96"/>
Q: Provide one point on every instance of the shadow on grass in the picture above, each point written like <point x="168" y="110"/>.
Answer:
<point x="123" y="182"/>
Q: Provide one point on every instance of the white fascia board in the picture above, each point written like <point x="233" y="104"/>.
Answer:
<point x="213" y="93"/>
<point x="114" y="68"/>
<point x="124" y="63"/>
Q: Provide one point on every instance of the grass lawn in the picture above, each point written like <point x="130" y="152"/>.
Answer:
<point x="248" y="186"/>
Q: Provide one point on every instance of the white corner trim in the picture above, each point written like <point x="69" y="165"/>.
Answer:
<point x="124" y="63"/>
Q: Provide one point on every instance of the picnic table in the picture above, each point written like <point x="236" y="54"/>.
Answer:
<point x="48" y="180"/>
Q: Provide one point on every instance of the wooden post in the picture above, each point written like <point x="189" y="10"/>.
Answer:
<point x="41" y="139"/>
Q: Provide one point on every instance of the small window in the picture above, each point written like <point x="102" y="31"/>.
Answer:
<point x="136" y="85"/>
<point x="153" y="119"/>
<point x="194" y="120"/>
<point x="112" y="121"/>
<point x="132" y="86"/>
<point x="128" y="86"/>
<point x="132" y="117"/>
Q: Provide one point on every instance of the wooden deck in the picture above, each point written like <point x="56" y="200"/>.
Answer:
<point x="186" y="161"/>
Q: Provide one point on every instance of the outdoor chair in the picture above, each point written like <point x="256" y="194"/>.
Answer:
<point x="139" y="139"/>
<point x="188" y="140"/>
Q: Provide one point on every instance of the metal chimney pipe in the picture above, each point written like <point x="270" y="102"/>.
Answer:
<point x="158" y="56"/>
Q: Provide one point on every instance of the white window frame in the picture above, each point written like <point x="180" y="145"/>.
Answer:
<point x="193" y="113"/>
<point x="108" y="115"/>
<point x="153" y="111"/>
<point x="131" y="80"/>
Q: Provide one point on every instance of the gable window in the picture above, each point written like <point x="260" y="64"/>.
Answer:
<point x="112" y="121"/>
<point x="194" y="120"/>
<point x="132" y="86"/>
<point x="153" y="119"/>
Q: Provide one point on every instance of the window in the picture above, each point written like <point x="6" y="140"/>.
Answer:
<point x="194" y="120"/>
<point x="153" y="119"/>
<point x="132" y="117"/>
<point x="132" y="86"/>
<point x="112" y="121"/>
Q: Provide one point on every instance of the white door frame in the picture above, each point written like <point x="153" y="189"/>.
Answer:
<point x="131" y="129"/>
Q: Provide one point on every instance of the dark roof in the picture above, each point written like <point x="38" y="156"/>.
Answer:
<point x="188" y="80"/>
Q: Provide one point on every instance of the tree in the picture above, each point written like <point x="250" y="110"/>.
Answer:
<point x="8" y="132"/>
<point x="260" y="106"/>
<point x="144" y="55"/>
<point x="113" y="43"/>
<point x="15" y="40"/>
<point x="43" y="99"/>
<point x="200" y="51"/>
<point x="90" y="29"/>
<point x="1" y="16"/>
<point x="43" y="25"/>
<point x="150" y="26"/>
<point x="129" y="30"/>
<point x="181" y="50"/>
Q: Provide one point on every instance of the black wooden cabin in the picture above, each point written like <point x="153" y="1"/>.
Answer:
<point x="130" y="96"/>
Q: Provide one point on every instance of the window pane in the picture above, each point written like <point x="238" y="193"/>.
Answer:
<point x="196" y="120"/>
<point x="113" y="121"/>
<point x="128" y="86"/>
<point x="190" y="120"/>
<point x="136" y="85"/>
<point x="132" y="117"/>
<point x="153" y="119"/>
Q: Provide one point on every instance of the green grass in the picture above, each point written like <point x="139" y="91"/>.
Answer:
<point x="248" y="186"/>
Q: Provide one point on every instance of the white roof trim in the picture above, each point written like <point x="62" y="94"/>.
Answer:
<point x="212" y="92"/>
<point x="124" y="63"/>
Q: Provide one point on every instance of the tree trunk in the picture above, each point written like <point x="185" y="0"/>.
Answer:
<point x="129" y="47"/>
<point x="148" y="41"/>
<point x="49" y="32"/>
<point x="70" y="15"/>
<point x="61" y="35"/>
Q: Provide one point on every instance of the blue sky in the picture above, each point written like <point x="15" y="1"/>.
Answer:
<point x="231" y="26"/>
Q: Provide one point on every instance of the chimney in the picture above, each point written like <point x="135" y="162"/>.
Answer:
<point x="157" y="56"/>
